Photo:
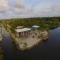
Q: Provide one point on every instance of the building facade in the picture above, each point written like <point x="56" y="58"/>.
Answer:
<point x="23" y="32"/>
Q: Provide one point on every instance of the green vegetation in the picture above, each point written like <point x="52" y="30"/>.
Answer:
<point x="45" y="23"/>
<point x="1" y="54"/>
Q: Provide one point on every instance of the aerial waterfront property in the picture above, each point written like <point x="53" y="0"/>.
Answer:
<point x="28" y="37"/>
<point x="29" y="29"/>
<point x="26" y="31"/>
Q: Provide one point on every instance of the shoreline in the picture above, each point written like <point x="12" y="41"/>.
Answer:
<point x="26" y="44"/>
<point x="30" y="47"/>
<point x="22" y="47"/>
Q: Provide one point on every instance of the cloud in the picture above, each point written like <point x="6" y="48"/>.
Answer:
<point x="48" y="9"/>
<point x="21" y="8"/>
<point x="29" y="8"/>
<point x="3" y="6"/>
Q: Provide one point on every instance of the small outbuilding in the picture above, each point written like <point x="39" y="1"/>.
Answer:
<point x="35" y="27"/>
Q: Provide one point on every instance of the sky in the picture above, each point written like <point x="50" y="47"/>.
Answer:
<point x="29" y="8"/>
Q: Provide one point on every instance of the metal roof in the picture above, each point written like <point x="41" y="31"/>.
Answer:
<point x="35" y="26"/>
<point x="22" y="30"/>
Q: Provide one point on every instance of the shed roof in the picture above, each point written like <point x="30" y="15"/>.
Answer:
<point x="19" y="27"/>
<point x="35" y="26"/>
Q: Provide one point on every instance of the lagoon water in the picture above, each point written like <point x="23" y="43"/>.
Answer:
<point x="49" y="49"/>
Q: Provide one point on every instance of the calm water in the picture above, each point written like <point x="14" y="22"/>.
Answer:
<point x="44" y="51"/>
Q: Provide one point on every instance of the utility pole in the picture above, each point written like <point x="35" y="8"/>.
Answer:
<point x="1" y="28"/>
<point x="6" y="25"/>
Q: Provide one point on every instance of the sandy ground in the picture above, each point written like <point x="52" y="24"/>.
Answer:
<point x="29" y="41"/>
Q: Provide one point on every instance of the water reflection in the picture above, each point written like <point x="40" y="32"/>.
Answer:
<point x="49" y="48"/>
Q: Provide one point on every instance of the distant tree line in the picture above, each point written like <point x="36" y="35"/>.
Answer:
<point x="43" y="22"/>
